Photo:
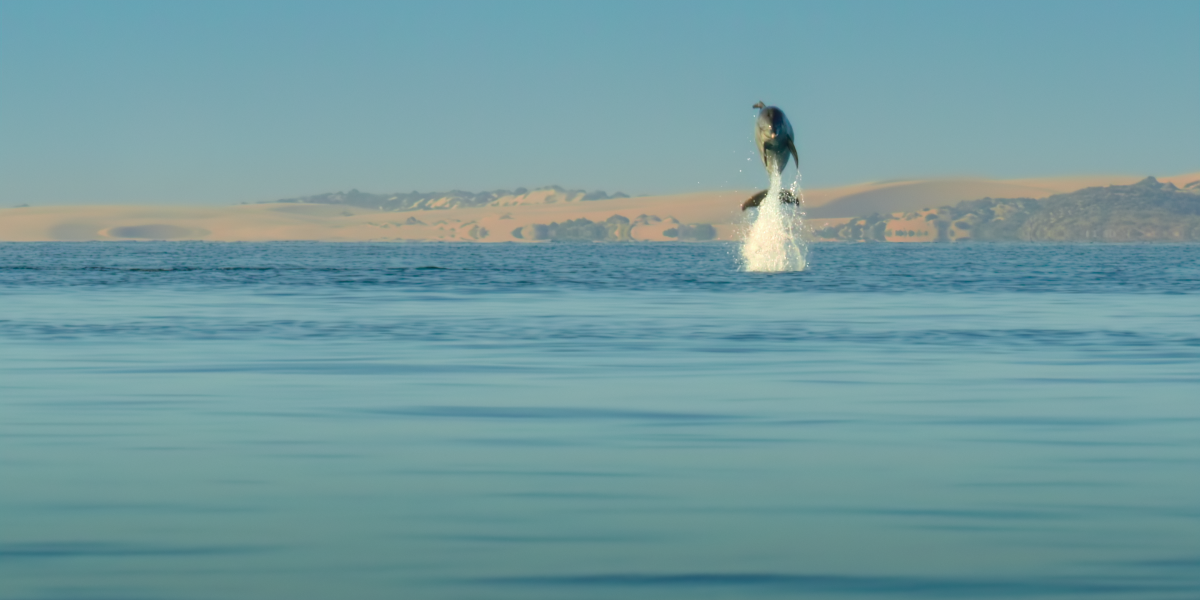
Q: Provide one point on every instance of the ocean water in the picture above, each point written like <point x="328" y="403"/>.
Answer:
<point x="192" y="421"/>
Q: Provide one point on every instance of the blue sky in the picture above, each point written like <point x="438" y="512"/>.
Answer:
<point x="225" y="102"/>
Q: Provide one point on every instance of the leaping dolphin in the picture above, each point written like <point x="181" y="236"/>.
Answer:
<point x="775" y="139"/>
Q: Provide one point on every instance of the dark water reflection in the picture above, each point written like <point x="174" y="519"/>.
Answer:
<point x="598" y="421"/>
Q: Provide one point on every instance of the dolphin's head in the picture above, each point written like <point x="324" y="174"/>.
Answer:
<point x="771" y="123"/>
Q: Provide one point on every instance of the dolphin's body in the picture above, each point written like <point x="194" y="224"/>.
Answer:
<point x="775" y="139"/>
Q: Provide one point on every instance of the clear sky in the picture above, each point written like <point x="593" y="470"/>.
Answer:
<point x="223" y="102"/>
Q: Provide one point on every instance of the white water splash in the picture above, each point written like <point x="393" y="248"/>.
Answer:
<point x="775" y="241"/>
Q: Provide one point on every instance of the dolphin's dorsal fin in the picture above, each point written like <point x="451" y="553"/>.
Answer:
<point x="759" y="105"/>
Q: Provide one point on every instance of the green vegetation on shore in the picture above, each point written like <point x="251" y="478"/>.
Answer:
<point x="614" y="229"/>
<point x="443" y="200"/>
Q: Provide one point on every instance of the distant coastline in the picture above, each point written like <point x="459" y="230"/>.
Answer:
<point x="1096" y="208"/>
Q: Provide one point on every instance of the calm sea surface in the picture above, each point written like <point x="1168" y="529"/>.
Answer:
<point x="316" y="421"/>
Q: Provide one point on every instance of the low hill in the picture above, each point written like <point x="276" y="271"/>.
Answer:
<point x="1149" y="210"/>
<point x="914" y="195"/>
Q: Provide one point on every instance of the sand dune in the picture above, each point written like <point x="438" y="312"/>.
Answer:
<point x="651" y="216"/>
<point x="324" y="222"/>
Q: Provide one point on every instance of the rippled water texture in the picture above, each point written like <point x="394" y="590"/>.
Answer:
<point x="598" y="421"/>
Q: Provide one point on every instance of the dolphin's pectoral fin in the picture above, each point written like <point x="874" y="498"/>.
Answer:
<point x="754" y="200"/>
<point x="787" y="197"/>
<point x="795" y="155"/>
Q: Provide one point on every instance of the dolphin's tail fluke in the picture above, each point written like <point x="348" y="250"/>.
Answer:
<point x="754" y="200"/>
<point x="785" y="196"/>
